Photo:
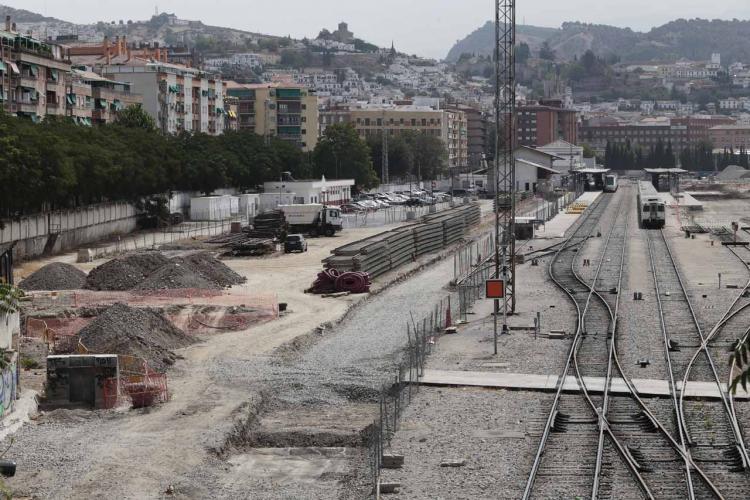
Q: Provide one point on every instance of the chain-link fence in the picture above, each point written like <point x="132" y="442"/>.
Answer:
<point x="392" y="214"/>
<point x="396" y="395"/>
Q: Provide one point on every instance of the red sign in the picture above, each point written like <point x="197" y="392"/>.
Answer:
<point x="495" y="289"/>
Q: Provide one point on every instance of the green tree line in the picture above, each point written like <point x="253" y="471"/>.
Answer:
<point x="624" y="156"/>
<point x="57" y="164"/>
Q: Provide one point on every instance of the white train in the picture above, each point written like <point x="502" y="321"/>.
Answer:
<point x="610" y="183"/>
<point x="652" y="209"/>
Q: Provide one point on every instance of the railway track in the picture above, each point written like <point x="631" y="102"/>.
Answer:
<point x="570" y="460"/>
<point x="707" y="430"/>
<point x="605" y="446"/>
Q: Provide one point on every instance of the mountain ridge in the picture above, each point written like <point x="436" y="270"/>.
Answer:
<point x="682" y="38"/>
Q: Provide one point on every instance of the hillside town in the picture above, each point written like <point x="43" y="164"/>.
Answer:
<point x="246" y="265"/>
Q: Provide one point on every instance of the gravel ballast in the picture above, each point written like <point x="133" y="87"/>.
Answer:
<point x="144" y="333"/>
<point x="175" y="275"/>
<point x="55" y="276"/>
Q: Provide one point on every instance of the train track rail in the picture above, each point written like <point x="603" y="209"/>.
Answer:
<point x="570" y="458"/>
<point x="707" y="431"/>
<point x="611" y="438"/>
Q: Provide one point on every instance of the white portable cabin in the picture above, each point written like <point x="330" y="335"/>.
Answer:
<point x="210" y="208"/>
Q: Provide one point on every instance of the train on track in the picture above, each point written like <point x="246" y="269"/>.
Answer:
<point x="652" y="208"/>
<point x="610" y="183"/>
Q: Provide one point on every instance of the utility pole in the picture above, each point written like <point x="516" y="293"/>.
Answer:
<point x="384" y="160"/>
<point x="505" y="171"/>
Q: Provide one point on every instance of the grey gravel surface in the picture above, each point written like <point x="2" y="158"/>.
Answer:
<point x="359" y="354"/>
<point x="496" y="432"/>
<point x="55" y="276"/>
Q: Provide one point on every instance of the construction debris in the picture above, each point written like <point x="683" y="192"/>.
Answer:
<point x="55" y="276"/>
<point x="243" y="245"/>
<point x="142" y="333"/>
<point x="332" y="281"/>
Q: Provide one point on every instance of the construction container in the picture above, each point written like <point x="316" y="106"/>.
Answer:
<point x="211" y="208"/>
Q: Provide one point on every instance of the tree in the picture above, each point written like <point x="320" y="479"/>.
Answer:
<point x="546" y="52"/>
<point x="588" y="151"/>
<point x="341" y="153"/>
<point x="429" y="155"/>
<point x="134" y="116"/>
<point x="523" y="53"/>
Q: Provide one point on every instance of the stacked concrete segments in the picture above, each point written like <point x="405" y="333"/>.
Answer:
<point x="401" y="245"/>
<point x="390" y="250"/>
<point x="428" y="238"/>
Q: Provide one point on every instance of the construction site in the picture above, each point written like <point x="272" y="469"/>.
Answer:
<point x="585" y="341"/>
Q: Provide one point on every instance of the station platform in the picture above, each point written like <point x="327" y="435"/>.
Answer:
<point x="556" y="227"/>
<point x="686" y="200"/>
<point x="536" y="382"/>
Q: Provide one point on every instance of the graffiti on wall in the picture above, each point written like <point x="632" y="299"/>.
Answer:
<point x="8" y="388"/>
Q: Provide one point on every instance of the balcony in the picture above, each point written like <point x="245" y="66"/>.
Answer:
<point x="27" y="107"/>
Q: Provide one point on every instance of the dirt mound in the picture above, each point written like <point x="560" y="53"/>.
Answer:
<point x="175" y="275"/>
<point x="144" y="333"/>
<point x="125" y="273"/>
<point x="55" y="276"/>
<point x="210" y="268"/>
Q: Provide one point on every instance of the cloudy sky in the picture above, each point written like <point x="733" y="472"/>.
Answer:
<point x="425" y="27"/>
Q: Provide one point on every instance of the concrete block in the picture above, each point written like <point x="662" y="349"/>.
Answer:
<point x="389" y="487"/>
<point x="460" y="462"/>
<point x="393" y="461"/>
<point x="85" y="255"/>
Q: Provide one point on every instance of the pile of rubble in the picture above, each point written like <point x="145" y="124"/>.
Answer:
<point x="154" y="271"/>
<point x="55" y="276"/>
<point x="142" y="333"/>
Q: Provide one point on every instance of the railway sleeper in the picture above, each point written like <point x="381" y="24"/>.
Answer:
<point x="636" y="457"/>
<point x="561" y="421"/>
<point x="736" y="457"/>
<point x="645" y="422"/>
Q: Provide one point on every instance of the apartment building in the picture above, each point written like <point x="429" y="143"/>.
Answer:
<point x="730" y="136"/>
<point x="540" y="124"/>
<point x="179" y="98"/>
<point x="597" y="134"/>
<point x="699" y="125"/>
<point x="450" y="126"/>
<point x="289" y="112"/>
<point x="476" y="126"/>
<point x="33" y="75"/>
<point x="104" y="98"/>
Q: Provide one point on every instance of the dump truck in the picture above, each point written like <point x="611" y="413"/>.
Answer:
<point x="313" y="219"/>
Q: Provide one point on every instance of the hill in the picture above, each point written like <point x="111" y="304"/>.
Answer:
<point x="23" y="16"/>
<point x="692" y="39"/>
<point x="480" y="41"/>
<point x="164" y="28"/>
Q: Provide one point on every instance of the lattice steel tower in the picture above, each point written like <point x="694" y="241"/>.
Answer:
<point x="505" y="164"/>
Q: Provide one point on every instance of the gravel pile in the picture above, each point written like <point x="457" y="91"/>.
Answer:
<point x="175" y="275"/>
<point x="55" y="276"/>
<point x="210" y="268"/>
<point x="124" y="273"/>
<point x="145" y="333"/>
<point x="154" y="271"/>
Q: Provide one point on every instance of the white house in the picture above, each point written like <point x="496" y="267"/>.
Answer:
<point x="328" y="192"/>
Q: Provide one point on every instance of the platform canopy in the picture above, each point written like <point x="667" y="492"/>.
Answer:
<point x="659" y="171"/>
<point x="590" y="171"/>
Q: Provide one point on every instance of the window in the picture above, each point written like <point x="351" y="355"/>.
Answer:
<point x="413" y="122"/>
<point x="367" y="122"/>
<point x="304" y="119"/>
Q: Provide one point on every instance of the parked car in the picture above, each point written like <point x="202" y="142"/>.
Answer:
<point x="350" y="208"/>
<point x="295" y="243"/>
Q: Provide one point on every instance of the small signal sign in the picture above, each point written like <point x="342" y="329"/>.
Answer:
<point x="495" y="289"/>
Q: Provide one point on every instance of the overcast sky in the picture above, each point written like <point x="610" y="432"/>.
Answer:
<point x="425" y="27"/>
